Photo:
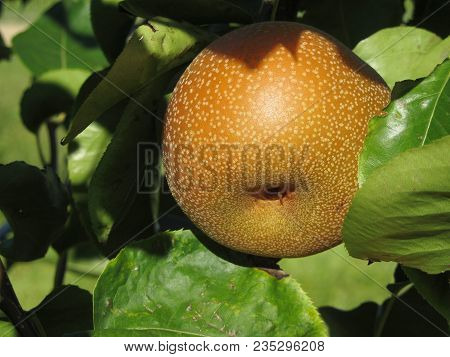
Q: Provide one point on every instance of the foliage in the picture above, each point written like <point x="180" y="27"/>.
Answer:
<point x="50" y="94"/>
<point x="63" y="38"/>
<point x="185" y="289"/>
<point x="434" y="288"/>
<point x="34" y="203"/>
<point x="66" y="310"/>
<point x="196" y="11"/>
<point x="403" y="53"/>
<point x="405" y="318"/>
<point x="411" y="225"/>
<point x="99" y="73"/>
<point x="395" y="132"/>
<point x="111" y="27"/>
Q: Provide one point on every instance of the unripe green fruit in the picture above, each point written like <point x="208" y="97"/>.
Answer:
<point x="262" y="138"/>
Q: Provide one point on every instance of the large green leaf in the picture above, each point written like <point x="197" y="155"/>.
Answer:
<point x="347" y="20"/>
<point x="417" y="118"/>
<point x="118" y="210"/>
<point x="111" y="26"/>
<point x="184" y="288"/>
<point x="147" y="54"/>
<point x="402" y="53"/>
<point x="66" y="310"/>
<point x="52" y="93"/>
<point x="434" y="288"/>
<point x="35" y="204"/>
<point x="61" y="38"/>
<point x="196" y="11"/>
<point x="402" y="212"/>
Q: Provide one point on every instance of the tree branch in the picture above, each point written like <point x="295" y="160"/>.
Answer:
<point x="268" y="10"/>
<point x="60" y="269"/>
<point x="26" y="324"/>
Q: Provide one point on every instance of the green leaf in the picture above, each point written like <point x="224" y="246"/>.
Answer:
<point x="142" y="333"/>
<point x="52" y="93"/>
<point x="408" y="316"/>
<point x="433" y="288"/>
<point x="184" y="288"/>
<point x="118" y="209"/>
<point x="7" y="329"/>
<point x="66" y="310"/>
<point x="403" y="53"/>
<point x="78" y="19"/>
<point x="416" y="119"/>
<point x="196" y="11"/>
<point x="146" y="55"/>
<point x="73" y="233"/>
<point x="35" y="204"/>
<point x="111" y="26"/>
<point x="402" y="212"/>
<point x="347" y="20"/>
<point x="86" y="151"/>
<point x="61" y="38"/>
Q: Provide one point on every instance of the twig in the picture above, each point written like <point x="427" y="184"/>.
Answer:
<point x="53" y="146"/>
<point x="383" y="318"/>
<point x="26" y="325"/>
<point x="54" y="160"/>
<point x="268" y="10"/>
<point x="275" y="4"/>
<point x="60" y="271"/>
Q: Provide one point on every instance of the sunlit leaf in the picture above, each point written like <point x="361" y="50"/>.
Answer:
<point x="415" y="119"/>
<point x="402" y="53"/>
<point x="151" y="51"/>
<point x="402" y="212"/>
<point x="185" y="289"/>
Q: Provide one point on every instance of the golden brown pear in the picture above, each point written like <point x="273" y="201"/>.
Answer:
<point x="262" y="138"/>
